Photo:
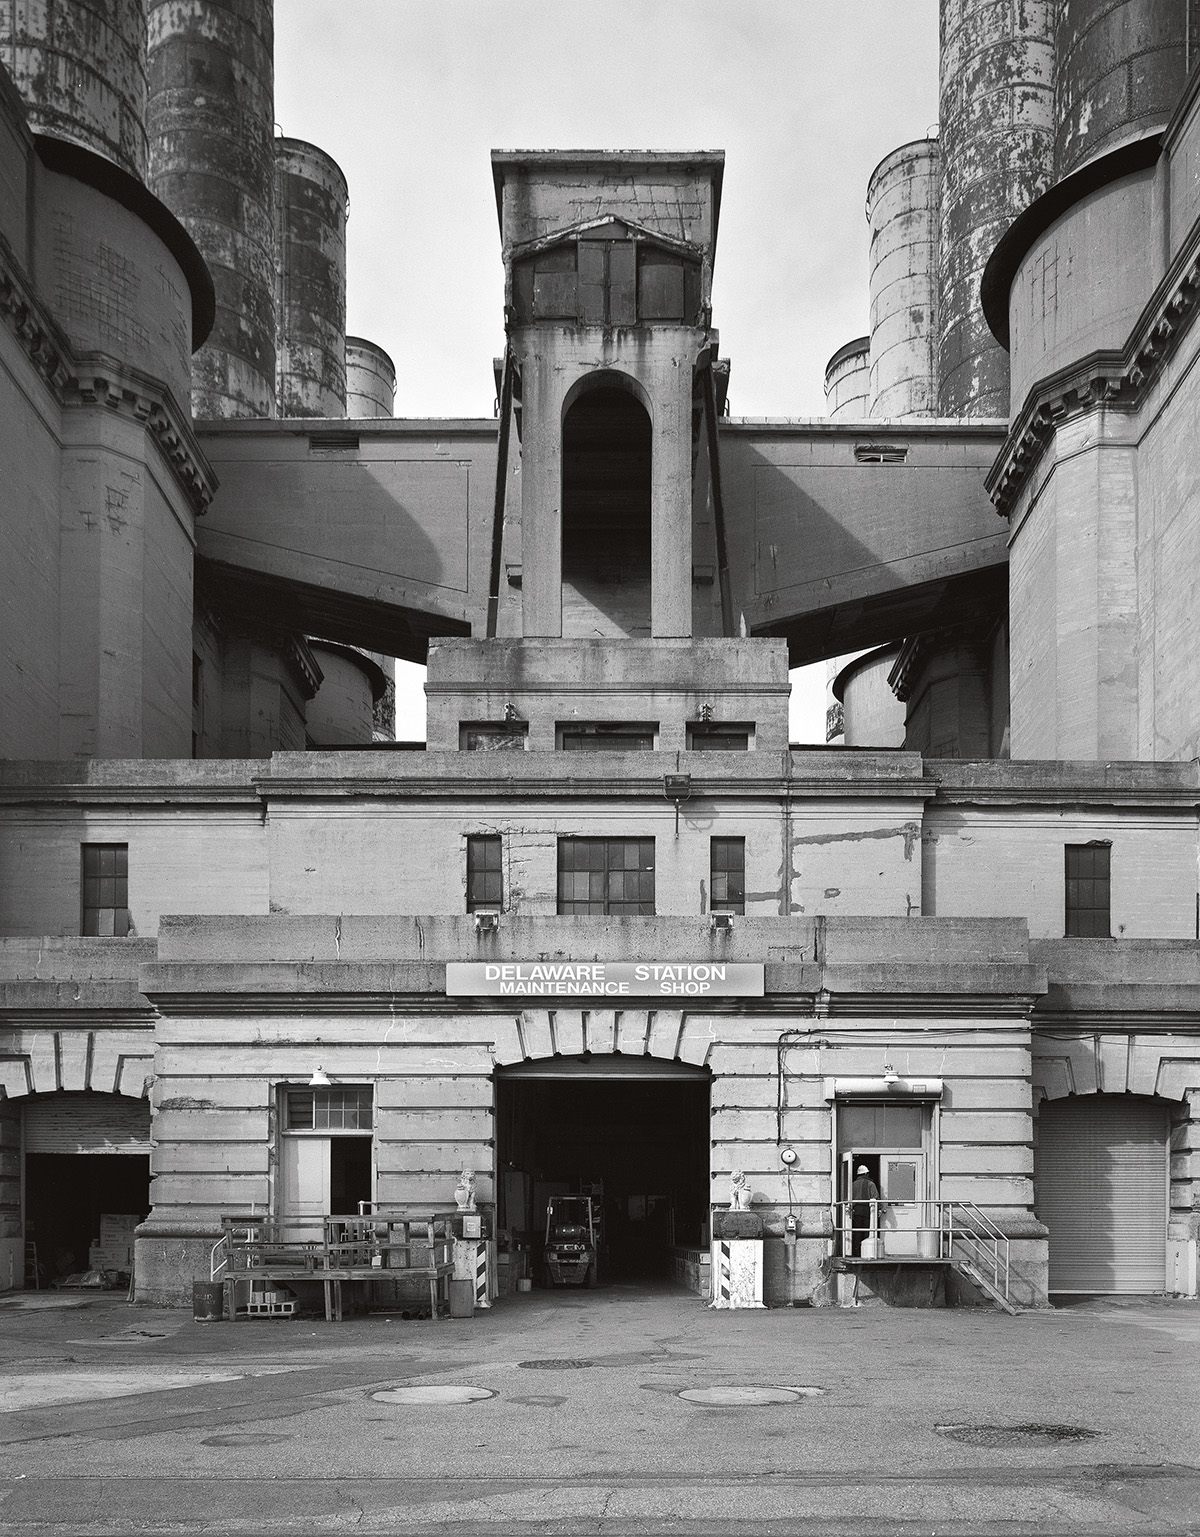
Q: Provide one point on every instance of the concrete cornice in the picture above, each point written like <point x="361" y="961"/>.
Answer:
<point x="576" y="787"/>
<point x="1110" y="379"/>
<point x="91" y="379"/>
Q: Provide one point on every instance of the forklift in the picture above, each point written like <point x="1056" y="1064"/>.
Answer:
<point x="572" y="1251"/>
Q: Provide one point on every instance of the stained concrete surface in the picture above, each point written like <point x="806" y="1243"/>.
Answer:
<point x="151" y="1423"/>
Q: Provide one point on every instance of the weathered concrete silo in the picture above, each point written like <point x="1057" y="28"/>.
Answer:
<point x="903" y="211"/>
<point x="212" y="161"/>
<point x="872" y="716"/>
<point x="848" y="382"/>
<point x="342" y="712"/>
<point x="1120" y="66"/>
<point x="80" y="66"/>
<point x="997" y="138"/>
<point x="310" y="254"/>
<point x="370" y="379"/>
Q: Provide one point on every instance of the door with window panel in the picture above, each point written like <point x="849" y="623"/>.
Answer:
<point x="325" y="1162"/>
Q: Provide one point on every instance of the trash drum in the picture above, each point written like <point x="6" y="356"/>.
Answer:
<point x="462" y="1299"/>
<point x="208" y="1302"/>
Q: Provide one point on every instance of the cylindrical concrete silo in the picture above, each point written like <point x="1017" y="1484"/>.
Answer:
<point x="997" y="139"/>
<point x="848" y="382"/>
<point x="80" y="66"/>
<point x="212" y="161"/>
<point x="1120" y="66"/>
<point x="310" y="254"/>
<point x="370" y="379"/>
<point x="342" y="712"/>
<point x="872" y="716"/>
<point x="903" y="211"/>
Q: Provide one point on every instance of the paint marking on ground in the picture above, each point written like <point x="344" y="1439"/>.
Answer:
<point x="50" y="1390"/>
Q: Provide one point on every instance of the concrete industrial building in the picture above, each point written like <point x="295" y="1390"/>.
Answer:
<point x="608" y="930"/>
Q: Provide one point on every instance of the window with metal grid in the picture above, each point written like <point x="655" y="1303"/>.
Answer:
<point x="485" y="876"/>
<point x="709" y="736"/>
<point x="1088" y="891"/>
<point x="105" y="889"/>
<point x="727" y="875"/>
<point x="340" y="1108"/>
<point x="606" y="875"/>
<point x="618" y="736"/>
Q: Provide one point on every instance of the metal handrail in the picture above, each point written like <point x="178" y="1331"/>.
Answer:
<point x="216" y="1266"/>
<point x="979" y="1240"/>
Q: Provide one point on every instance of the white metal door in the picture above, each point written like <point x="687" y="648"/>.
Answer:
<point x="902" y="1194"/>
<point x="1102" y="1192"/>
<point x="304" y="1177"/>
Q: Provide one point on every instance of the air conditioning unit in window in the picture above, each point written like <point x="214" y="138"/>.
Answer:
<point x="487" y="922"/>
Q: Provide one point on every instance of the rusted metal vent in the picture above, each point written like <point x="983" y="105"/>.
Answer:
<point x="554" y="1365"/>
<point x="1014" y="1435"/>
<point x="332" y="442"/>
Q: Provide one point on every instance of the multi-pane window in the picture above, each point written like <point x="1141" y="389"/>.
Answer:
<point x="606" y="875"/>
<point x="607" y="736"/>
<point x="332" y="1109"/>
<point x="105" y="877"/>
<point x="1088" y="905"/>
<point x="711" y="736"/>
<point x="485" y="877"/>
<point x="727" y="885"/>
<point x="492" y="736"/>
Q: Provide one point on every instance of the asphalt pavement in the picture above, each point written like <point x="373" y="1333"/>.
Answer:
<point x="623" y="1410"/>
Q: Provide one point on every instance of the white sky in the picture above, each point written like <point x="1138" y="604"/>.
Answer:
<point x="804" y="96"/>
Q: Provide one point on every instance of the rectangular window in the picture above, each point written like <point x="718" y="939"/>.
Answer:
<point x="105" y="882"/>
<point x="332" y="1109"/>
<point x="1088" y="905"/>
<point x="727" y="889"/>
<point x="713" y="736"/>
<point x="485" y="877"/>
<point x="607" y="736"/>
<point x="606" y="875"/>
<point x="492" y="736"/>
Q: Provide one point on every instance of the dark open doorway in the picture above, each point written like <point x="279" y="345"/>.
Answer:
<point x="606" y="463"/>
<point x="633" y="1134"/>
<point x="77" y="1204"/>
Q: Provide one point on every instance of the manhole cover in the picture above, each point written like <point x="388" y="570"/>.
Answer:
<point x="441" y="1393"/>
<point x="555" y="1365"/>
<point x="245" y="1438"/>
<point x="1014" y="1435"/>
<point x="746" y="1397"/>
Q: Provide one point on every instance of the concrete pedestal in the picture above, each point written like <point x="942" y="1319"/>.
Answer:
<point x="737" y="1273"/>
<point x="474" y="1261"/>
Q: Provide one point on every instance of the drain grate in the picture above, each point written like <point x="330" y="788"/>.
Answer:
<point x="555" y="1364"/>
<point x="998" y="1436"/>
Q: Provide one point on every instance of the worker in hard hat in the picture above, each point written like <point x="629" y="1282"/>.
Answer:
<point x="863" y="1193"/>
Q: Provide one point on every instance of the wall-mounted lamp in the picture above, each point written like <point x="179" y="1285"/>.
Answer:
<point x="890" y="1075"/>
<point x="487" y="923"/>
<point x="722" y="921"/>
<point x="319" y="1079"/>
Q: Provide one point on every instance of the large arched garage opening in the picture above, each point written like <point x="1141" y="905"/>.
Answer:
<point x="1102" y="1180"/>
<point x="633" y="1132"/>
<point x="86" y="1182"/>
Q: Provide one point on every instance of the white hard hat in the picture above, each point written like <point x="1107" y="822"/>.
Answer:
<point x="862" y="1169"/>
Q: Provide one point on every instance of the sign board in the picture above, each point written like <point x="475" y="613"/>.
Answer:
<point x="605" y="979"/>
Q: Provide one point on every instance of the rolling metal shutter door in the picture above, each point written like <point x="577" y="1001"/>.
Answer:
<point x="87" y="1123"/>
<point x="1102" y="1192"/>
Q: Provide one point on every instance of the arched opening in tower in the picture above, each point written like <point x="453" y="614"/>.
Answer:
<point x="606" y="516"/>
